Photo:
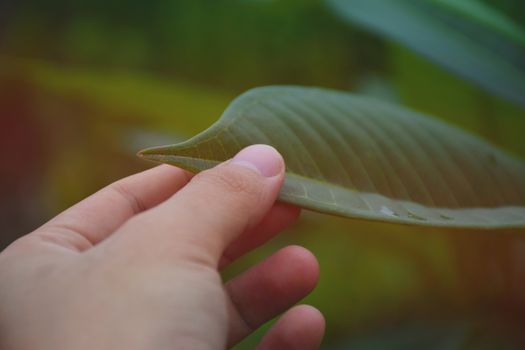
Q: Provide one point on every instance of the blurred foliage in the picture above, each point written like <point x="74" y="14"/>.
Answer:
<point x="215" y="42"/>
<point x="83" y="85"/>
<point x="468" y="37"/>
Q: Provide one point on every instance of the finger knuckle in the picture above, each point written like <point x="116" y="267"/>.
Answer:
<point x="233" y="181"/>
<point x="120" y="189"/>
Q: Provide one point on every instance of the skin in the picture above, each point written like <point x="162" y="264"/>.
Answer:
<point x="136" y="266"/>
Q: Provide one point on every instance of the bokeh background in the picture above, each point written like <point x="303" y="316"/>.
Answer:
<point x="85" y="84"/>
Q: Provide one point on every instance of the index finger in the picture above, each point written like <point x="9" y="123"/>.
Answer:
<point x="96" y="217"/>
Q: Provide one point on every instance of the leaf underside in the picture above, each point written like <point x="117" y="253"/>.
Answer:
<point x="358" y="157"/>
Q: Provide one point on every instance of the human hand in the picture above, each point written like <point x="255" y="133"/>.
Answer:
<point x="136" y="266"/>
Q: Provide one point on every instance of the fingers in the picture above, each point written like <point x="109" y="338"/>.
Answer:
<point x="280" y="216"/>
<point x="301" y="328"/>
<point x="213" y="209"/>
<point x="97" y="216"/>
<point x="269" y="288"/>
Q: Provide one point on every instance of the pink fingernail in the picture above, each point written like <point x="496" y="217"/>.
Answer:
<point x="262" y="158"/>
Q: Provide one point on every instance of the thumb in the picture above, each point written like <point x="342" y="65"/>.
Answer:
<point x="214" y="208"/>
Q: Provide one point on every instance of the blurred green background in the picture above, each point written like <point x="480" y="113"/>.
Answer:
<point x="85" y="84"/>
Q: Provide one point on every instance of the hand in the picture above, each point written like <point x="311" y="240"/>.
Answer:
<point x="136" y="266"/>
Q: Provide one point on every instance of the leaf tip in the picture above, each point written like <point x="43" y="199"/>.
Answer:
<point x="148" y="153"/>
<point x="140" y="154"/>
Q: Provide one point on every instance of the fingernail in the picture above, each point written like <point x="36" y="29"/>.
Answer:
<point x="262" y="158"/>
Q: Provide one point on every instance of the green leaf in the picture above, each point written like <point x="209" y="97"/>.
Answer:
<point x="359" y="157"/>
<point x="465" y="36"/>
